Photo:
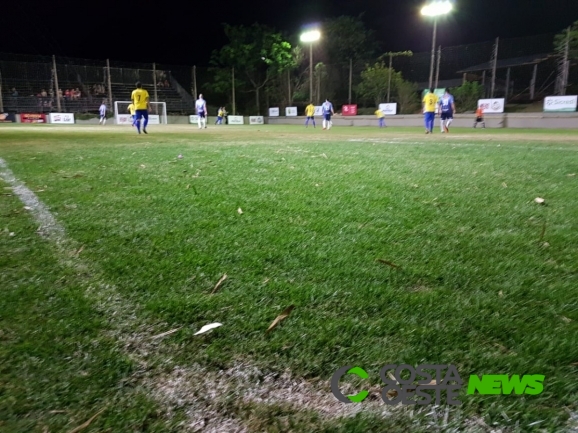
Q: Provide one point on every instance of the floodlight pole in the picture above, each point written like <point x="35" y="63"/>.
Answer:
<point x="56" y="84"/>
<point x="311" y="72"/>
<point x="433" y="52"/>
<point x="109" y="84"/>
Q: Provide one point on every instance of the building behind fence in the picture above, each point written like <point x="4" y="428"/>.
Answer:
<point x="520" y="69"/>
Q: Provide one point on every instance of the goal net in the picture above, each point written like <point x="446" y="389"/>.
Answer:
<point x="157" y="113"/>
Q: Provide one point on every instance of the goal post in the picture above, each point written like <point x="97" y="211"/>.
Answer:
<point x="157" y="114"/>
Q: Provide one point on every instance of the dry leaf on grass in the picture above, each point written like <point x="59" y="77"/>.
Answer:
<point x="164" y="334"/>
<point x="240" y="211"/>
<point x="501" y="294"/>
<point x="504" y="184"/>
<point x="79" y="250"/>
<point x="27" y="208"/>
<point x="223" y="278"/>
<point x="565" y="319"/>
<point x="86" y="424"/>
<point x="539" y="200"/>
<point x="286" y="312"/>
<point x="57" y="411"/>
<point x="572" y="175"/>
<point x="143" y="166"/>
<point x="207" y="328"/>
<point x="388" y="263"/>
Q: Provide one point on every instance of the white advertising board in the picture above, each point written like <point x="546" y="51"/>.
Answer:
<point x="389" y="109"/>
<point x="66" y="118"/>
<point x="492" y="105"/>
<point x="561" y="103"/>
<point x="126" y="119"/>
<point x="274" y="112"/>
<point x="256" y="120"/>
<point x="318" y="110"/>
<point x="291" y="111"/>
<point x="236" y="120"/>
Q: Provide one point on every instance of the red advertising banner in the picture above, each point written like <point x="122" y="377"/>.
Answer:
<point x="349" y="110"/>
<point x="32" y="118"/>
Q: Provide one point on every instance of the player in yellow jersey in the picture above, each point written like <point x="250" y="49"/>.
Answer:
<point x="140" y="99"/>
<point x="430" y="102"/>
<point x="132" y="111"/>
<point x="380" y="117"/>
<point x="310" y="112"/>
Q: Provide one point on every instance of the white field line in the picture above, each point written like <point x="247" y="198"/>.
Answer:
<point x="196" y="390"/>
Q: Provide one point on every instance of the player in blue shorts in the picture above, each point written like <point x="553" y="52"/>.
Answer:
<point x="327" y="109"/>
<point x="140" y="99"/>
<point x="447" y="109"/>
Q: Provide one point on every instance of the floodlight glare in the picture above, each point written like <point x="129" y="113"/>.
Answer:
<point x="310" y="36"/>
<point x="437" y="8"/>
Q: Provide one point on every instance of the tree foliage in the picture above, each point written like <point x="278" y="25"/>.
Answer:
<point x="560" y="41"/>
<point x="467" y="95"/>
<point x="347" y="38"/>
<point x="257" y="52"/>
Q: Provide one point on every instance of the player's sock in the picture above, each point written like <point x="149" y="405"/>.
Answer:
<point x="205" y="123"/>
<point x="442" y="126"/>
<point x="104" y="121"/>
<point x="313" y="120"/>
<point x="137" y="124"/>
<point x="199" y="122"/>
<point x="324" y="124"/>
<point x="144" y="127"/>
<point x="306" y="122"/>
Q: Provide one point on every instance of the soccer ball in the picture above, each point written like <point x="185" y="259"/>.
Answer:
<point x="180" y="156"/>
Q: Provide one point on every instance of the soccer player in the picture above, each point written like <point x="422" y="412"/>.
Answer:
<point x="132" y="111"/>
<point x="140" y="99"/>
<point x="310" y="112"/>
<point x="220" y="115"/>
<point x="327" y="109"/>
<point x="201" y="106"/>
<point x="380" y="117"/>
<point x="430" y="100"/>
<point x="447" y="109"/>
<point x="102" y="111"/>
<point x="480" y="118"/>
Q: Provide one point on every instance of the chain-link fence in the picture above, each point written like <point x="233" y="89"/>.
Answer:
<point x="524" y="69"/>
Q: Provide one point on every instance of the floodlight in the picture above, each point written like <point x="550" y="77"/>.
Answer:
<point x="311" y="36"/>
<point x="437" y="8"/>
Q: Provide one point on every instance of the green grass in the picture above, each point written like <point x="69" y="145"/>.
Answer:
<point x="487" y="279"/>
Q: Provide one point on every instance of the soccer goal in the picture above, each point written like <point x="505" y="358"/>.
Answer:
<point x="157" y="114"/>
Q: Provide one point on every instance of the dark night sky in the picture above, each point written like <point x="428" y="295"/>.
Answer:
<point x="186" y="33"/>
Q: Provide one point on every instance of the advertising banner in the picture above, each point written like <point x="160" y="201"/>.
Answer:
<point x="32" y="118"/>
<point x="236" y="120"/>
<point x="291" y="111"/>
<point x="256" y="120"/>
<point x="7" y="117"/>
<point x="388" y="109"/>
<point x="62" y="118"/>
<point x="349" y="110"/>
<point x="274" y="112"/>
<point x="560" y="103"/>
<point x="492" y="105"/>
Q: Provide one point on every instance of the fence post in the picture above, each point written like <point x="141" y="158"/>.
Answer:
<point x="109" y="86"/>
<point x="155" y="86"/>
<point x="56" y="83"/>
<point x="350" y="78"/>
<point x="494" y="66"/>
<point x="438" y="66"/>
<point x="507" y="84"/>
<point x="233" y="87"/>
<point x="533" y="82"/>
<point x="195" y="94"/>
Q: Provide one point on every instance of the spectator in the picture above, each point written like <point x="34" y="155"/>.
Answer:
<point x="160" y="84"/>
<point x="67" y="94"/>
<point x="77" y="93"/>
<point x="59" y="93"/>
<point x="51" y="93"/>
<point x="167" y="83"/>
<point x="43" y="93"/>
<point x="14" y="92"/>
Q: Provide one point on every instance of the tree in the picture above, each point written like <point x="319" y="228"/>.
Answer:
<point x="374" y="82"/>
<point x="467" y="95"/>
<point x="407" y="96"/>
<point x="258" y="52"/>
<point x="560" y="41"/>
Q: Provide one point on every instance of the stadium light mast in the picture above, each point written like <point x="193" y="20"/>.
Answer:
<point x="435" y="9"/>
<point x="311" y="36"/>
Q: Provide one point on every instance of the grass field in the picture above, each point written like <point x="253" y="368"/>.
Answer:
<point x="479" y="276"/>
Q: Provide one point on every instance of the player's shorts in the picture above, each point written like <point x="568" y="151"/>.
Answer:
<point x="133" y="117"/>
<point x="479" y="119"/>
<point x="141" y="113"/>
<point x="327" y="117"/>
<point x="446" y="115"/>
<point x="102" y="116"/>
<point x="201" y="114"/>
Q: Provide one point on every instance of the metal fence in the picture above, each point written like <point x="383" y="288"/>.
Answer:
<point x="520" y="69"/>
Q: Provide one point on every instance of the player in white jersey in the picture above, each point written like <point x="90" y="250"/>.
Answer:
<point x="102" y="111"/>
<point x="327" y="109"/>
<point x="447" y="109"/>
<point x="201" y="106"/>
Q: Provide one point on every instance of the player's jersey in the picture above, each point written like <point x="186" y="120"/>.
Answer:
<point x="220" y="113"/>
<point x="430" y="101"/>
<point x="102" y="110"/>
<point x="201" y="105"/>
<point x="480" y="112"/>
<point x="379" y="114"/>
<point x="446" y="103"/>
<point x="327" y="108"/>
<point x="131" y="109"/>
<point x="140" y="99"/>
<point x="310" y="110"/>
